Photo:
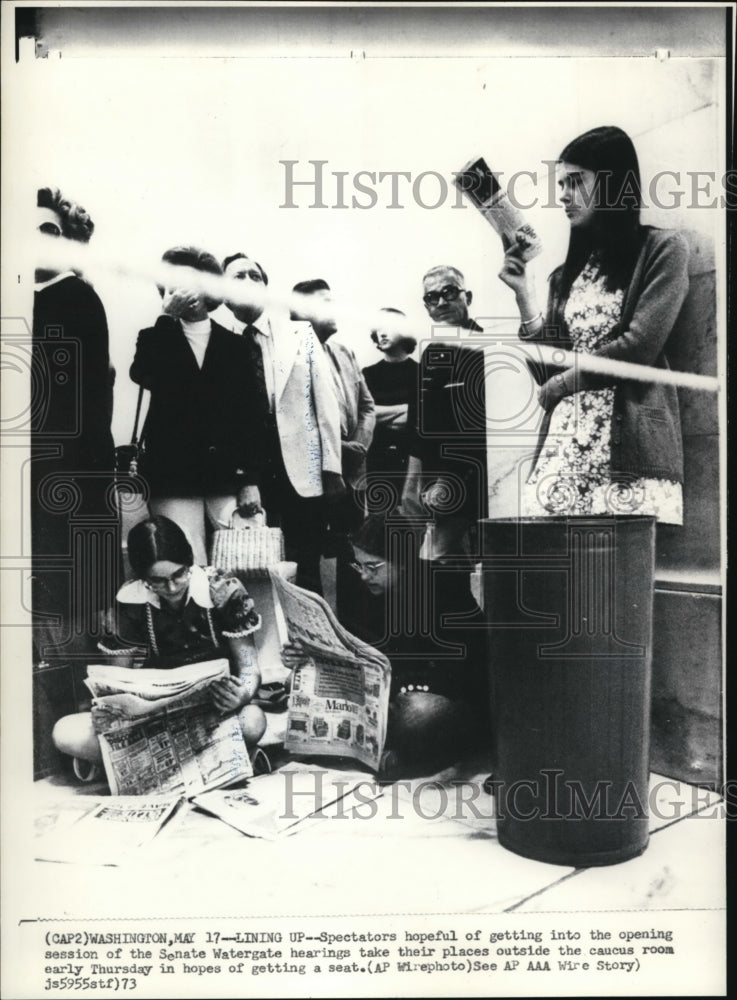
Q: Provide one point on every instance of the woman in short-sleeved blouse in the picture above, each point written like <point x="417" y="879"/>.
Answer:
<point x="607" y="446"/>
<point x="175" y="613"/>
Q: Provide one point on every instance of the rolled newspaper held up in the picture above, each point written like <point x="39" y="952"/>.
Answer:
<point x="484" y="190"/>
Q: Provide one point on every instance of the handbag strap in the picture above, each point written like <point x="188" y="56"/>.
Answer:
<point x="134" y="438"/>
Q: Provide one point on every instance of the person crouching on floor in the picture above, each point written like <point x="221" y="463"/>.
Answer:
<point x="174" y="613"/>
<point x="426" y="621"/>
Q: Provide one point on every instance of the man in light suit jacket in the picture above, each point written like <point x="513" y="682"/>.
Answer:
<point x="302" y="466"/>
<point x="356" y="404"/>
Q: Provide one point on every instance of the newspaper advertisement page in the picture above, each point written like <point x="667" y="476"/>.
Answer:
<point x="164" y="733"/>
<point x="109" y="832"/>
<point x="320" y="143"/>
<point x="340" y="696"/>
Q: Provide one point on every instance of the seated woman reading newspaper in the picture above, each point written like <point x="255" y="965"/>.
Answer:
<point x="427" y="622"/>
<point x="174" y="613"/>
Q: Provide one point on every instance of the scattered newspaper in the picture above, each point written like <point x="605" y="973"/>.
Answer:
<point x="109" y="831"/>
<point x="339" y="701"/>
<point x="286" y="802"/>
<point x="484" y="190"/>
<point x="164" y="734"/>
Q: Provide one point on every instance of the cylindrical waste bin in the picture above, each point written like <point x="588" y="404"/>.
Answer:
<point x="569" y="605"/>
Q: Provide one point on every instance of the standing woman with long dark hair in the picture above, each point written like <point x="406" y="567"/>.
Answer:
<point x="608" y="445"/>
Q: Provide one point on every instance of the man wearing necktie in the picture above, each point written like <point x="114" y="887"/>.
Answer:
<point x="301" y="420"/>
<point x="357" y="421"/>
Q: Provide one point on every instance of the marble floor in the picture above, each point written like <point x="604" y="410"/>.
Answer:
<point x="430" y="843"/>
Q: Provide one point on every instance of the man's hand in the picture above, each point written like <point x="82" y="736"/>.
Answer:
<point x="353" y="448"/>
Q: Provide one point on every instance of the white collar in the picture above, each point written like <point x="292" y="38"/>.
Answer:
<point x="262" y="324"/>
<point x="40" y="285"/>
<point x="136" y="591"/>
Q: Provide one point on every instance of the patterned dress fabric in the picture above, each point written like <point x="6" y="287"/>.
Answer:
<point x="572" y="476"/>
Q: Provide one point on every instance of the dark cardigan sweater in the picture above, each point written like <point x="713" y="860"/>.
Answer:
<point x="646" y="428"/>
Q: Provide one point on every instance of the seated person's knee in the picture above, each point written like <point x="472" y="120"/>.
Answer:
<point x="253" y="723"/>
<point x="75" y="735"/>
<point x="426" y="727"/>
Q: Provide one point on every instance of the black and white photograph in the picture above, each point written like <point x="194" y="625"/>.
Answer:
<point x="363" y="533"/>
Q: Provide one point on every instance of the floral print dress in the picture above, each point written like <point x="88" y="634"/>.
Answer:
<point x="573" y="473"/>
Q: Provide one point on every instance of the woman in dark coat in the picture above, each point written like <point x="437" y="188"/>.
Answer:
<point x="205" y="424"/>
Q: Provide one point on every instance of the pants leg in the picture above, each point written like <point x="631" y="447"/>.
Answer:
<point x="302" y="519"/>
<point x="303" y="524"/>
<point x="189" y="514"/>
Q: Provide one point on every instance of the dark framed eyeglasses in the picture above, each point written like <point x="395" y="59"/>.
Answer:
<point x="159" y="582"/>
<point x="49" y="229"/>
<point x="449" y="292"/>
<point x="367" y="568"/>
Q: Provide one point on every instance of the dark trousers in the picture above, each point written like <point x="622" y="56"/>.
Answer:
<point x="77" y="560"/>
<point x="302" y="519"/>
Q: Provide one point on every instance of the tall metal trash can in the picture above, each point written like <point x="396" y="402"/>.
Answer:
<point x="569" y="604"/>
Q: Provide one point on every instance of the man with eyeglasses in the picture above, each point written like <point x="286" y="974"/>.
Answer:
<point x="302" y="454"/>
<point x="446" y="475"/>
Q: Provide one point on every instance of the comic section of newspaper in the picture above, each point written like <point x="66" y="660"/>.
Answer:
<point x="339" y="700"/>
<point x="163" y="733"/>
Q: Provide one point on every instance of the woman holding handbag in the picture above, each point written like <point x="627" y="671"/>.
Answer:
<point x="609" y="446"/>
<point x="172" y="613"/>
<point x="205" y="426"/>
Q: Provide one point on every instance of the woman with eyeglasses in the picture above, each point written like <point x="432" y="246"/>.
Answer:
<point x="607" y="445"/>
<point x="72" y="449"/>
<point x="426" y="621"/>
<point x="175" y="612"/>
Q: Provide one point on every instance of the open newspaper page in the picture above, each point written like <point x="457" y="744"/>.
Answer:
<point x="285" y="802"/>
<point x="108" y="831"/>
<point x="339" y="701"/>
<point x="164" y="734"/>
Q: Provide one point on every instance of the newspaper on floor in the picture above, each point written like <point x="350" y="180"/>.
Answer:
<point x="288" y="801"/>
<point x="109" y="831"/>
<point x="164" y="734"/>
<point x="339" y="702"/>
<point x="484" y="190"/>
